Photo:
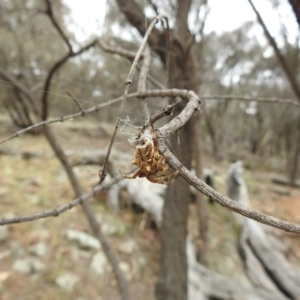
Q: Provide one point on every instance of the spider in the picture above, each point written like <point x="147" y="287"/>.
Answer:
<point x="151" y="164"/>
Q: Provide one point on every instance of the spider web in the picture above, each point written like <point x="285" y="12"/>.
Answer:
<point x="143" y="139"/>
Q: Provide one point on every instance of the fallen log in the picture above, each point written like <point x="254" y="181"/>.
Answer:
<point x="265" y="264"/>
<point x="282" y="180"/>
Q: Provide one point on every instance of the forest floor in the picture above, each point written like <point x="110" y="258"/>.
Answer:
<point x="39" y="259"/>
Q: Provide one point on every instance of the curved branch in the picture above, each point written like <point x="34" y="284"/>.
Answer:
<point x="137" y="19"/>
<point x="50" y="14"/>
<point x="54" y="69"/>
<point x="179" y="122"/>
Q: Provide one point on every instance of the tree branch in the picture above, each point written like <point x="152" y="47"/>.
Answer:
<point x="296" y="8"/>
<point x="177" y="123"/>
<point x="137" y="19"/>
<point x="26" y="94"/>
<point x="280" y="57"/>
<point x="53" y="20"/>
<point x="152" y="93"/>
<point x="250" y="98"/>
<point x="61" y="209"/>
<point x="54" y="69"/>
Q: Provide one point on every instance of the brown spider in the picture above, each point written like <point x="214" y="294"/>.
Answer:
<point x="151" y="164"/>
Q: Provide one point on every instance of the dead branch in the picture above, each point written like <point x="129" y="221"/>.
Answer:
<point x="128" y="83"/>
<point x="90" y="215"/>
<point x="53" y="20"/>
<point x="117" y="50"/>
<point x="142" y="83"/>
<point x="54" y="69"/>
<point x="130" y="55"/>
<point x="65" y="118"/>
<point x="76" y="101"/>
<point x="282" y="61"/>
<point x="26" y="94"/>
<point x="122" y="283"/>
<point x="152" y="93"/>
<point x="61" y="209"/>
<point x="178" y="122"/>
<point x="136" y="17"/>
<point x="250" y="98"/>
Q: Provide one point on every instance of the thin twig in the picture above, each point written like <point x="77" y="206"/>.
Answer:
<point x="53" y="20"/>
<point x="89" y="213"/>
<point x="102" y="172"/>
<point x="142" y="83"/>
<point x="128" y="83"/>
<point x="117" y="50"/>
<point x="291" y="77"/>
<point x="152" y="93"/>
<point x="76" y="101"/>
<point x="168" y="52"/>
<point x="24" y="91"/>
<point x="54" y="69"/>
<point x="130" y="55"/>
<point x="250" y="98"/>
<point x="61" y="209"/>
<point x="166" y="111"/>
<point x="65" y="118"/>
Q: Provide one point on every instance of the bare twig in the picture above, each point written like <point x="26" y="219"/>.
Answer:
<point x="142" y="47"/>
<point x="128" y="82"/>
<point x="61" y="209"/>
<point x="90" y="215"/>
<point x="102" y="172"/>
<point x="65" y="118"/>
<point x="130" y="55"/>
<point x="53" y="20"/>
<point x="117" y="50"/>
<point x="168" y="52"/>
<point x="54" y="69"/>
<point x="292" y="79"/>
<point x="26" y="94"/>
<point x="76" y="101"/>
<point x="152" y="93"/>
<point x="250" y="98"/>
<point x="142" y="83"/>
<point x="166" y="111"/>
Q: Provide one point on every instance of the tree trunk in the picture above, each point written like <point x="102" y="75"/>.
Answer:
<point x="294" y="164"/>
<point x="172" y="282"/>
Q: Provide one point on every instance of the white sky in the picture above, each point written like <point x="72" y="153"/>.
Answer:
<point x="89" y="16"/>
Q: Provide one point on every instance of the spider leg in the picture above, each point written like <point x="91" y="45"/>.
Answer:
<point x="173" y="176"/>
<point x="131" y="176"/>
<point x="164" y="177"/>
